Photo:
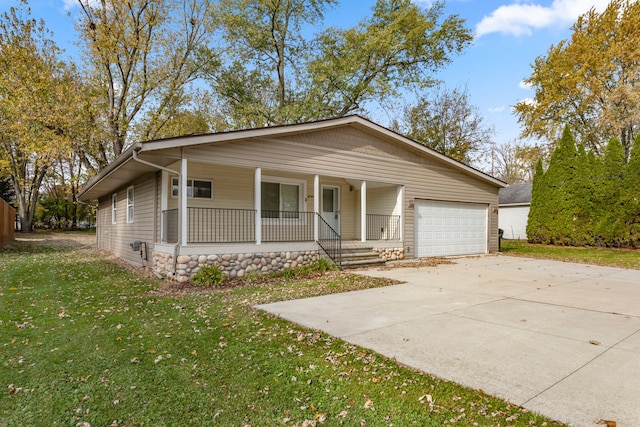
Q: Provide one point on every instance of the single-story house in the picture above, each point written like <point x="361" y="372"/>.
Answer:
<point x="270" y="198"/>
<point x="515" y="201"/>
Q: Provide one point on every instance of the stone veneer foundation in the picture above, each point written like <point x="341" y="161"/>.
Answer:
<point x="390" y="254"/>
<point x="238" y="265"/>
<point x="232" y="264"/>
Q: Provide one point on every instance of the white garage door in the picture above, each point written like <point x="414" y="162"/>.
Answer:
<point x="450" y="228"/>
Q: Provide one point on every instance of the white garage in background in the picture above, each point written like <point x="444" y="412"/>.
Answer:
<point x="513" y="213"/>
<point x="450" y="228"/>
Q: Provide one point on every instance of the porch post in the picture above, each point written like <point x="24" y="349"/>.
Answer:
<point x="164" y="184"/>
<point x="363" y="211"/>
<point x="183" y="202"/>
<point x="400" y="207"/>
<point x="257" y="202"/>
<point x="316" y="206"/>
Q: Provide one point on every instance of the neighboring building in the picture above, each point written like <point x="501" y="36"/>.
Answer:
<point x="7" y="224"/>
<point x="515" y="201"/>
<point x="268" y="198"/>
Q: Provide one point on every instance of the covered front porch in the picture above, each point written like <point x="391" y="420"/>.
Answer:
<point x="214" y="206"/>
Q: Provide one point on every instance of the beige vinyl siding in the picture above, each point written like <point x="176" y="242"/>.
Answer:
<point x="382" y="205"/>
<point x="232" y="187"/>
<point x="383" y="201"/>
<point x="493" y="227"/>
<point x="357" y="159"/>
<point x="104" y="223"/>
<point x="116" y="237"/>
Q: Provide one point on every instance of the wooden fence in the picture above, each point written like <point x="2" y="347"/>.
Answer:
<point x="7" y="223"/>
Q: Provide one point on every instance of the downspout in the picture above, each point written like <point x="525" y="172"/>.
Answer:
<point x="144" y="162"/>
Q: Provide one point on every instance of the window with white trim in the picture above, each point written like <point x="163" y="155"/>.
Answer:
<point x="196" y="188"/>
<point x="114" y="208"/>
<point x="130" y="205"/>
<point x="282" y="198"/>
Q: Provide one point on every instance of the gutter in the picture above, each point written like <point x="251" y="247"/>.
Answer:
<point x="508" y="205"/>
<point x="137" y="148"/>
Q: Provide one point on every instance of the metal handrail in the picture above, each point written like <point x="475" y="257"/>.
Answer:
<point x="330" y="241"/>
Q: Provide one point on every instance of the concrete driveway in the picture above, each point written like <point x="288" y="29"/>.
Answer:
<point x="558" y="338"/>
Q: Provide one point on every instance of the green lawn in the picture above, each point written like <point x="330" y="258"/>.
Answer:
<point x="625" y="258"/>
<point x="84" y="341"/>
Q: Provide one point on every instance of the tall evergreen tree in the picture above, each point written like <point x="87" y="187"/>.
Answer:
<point x="629" y="206"/>
<point x="581" y="194"/>
<point x="6" y="191"/>
<point x="537" y="230"/>
<point x="562" y="206"/>
<point x="608" y="227"/>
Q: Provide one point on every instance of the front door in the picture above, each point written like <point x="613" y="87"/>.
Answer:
<point x="331" y="206"/>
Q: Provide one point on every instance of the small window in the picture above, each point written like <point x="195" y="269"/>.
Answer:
<point x="282" y="199"/>
<point x="196" y="188"/>
<point x="114" y="208"/>
<point x="130" y="205"/>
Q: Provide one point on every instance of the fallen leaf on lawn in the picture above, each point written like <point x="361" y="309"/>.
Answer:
<point x="14" y="390"/>
<point x="376" y="380"/>
<point x="152" y="351"/>
<point x="368" y="404"/>
<point x="342" y="414"/>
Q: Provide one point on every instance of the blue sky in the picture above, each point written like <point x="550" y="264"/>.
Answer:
<point x="510" y="34"/>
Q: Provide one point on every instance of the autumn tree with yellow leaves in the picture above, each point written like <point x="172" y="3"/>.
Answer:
<point x="590" y="83"/>
<point x="142" y="56"/>
<point x="38" y="108"/>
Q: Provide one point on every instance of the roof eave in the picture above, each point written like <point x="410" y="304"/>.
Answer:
<point x="513" y="205"/>
<point x="126" y="156"/>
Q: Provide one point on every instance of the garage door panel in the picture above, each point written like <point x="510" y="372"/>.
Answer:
<point x="450" y="228"/>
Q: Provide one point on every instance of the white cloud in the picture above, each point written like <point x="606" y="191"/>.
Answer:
<point x="523" y="18"/>
<point x="524" y="85"/>
<point x="70" y="4"/>
<point x="423" y="3"/>
<point x="499" y="109"/>
<point x="528" y="101"/>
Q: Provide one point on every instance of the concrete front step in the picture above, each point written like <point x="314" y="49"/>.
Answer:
<point x="360" y="257"/>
